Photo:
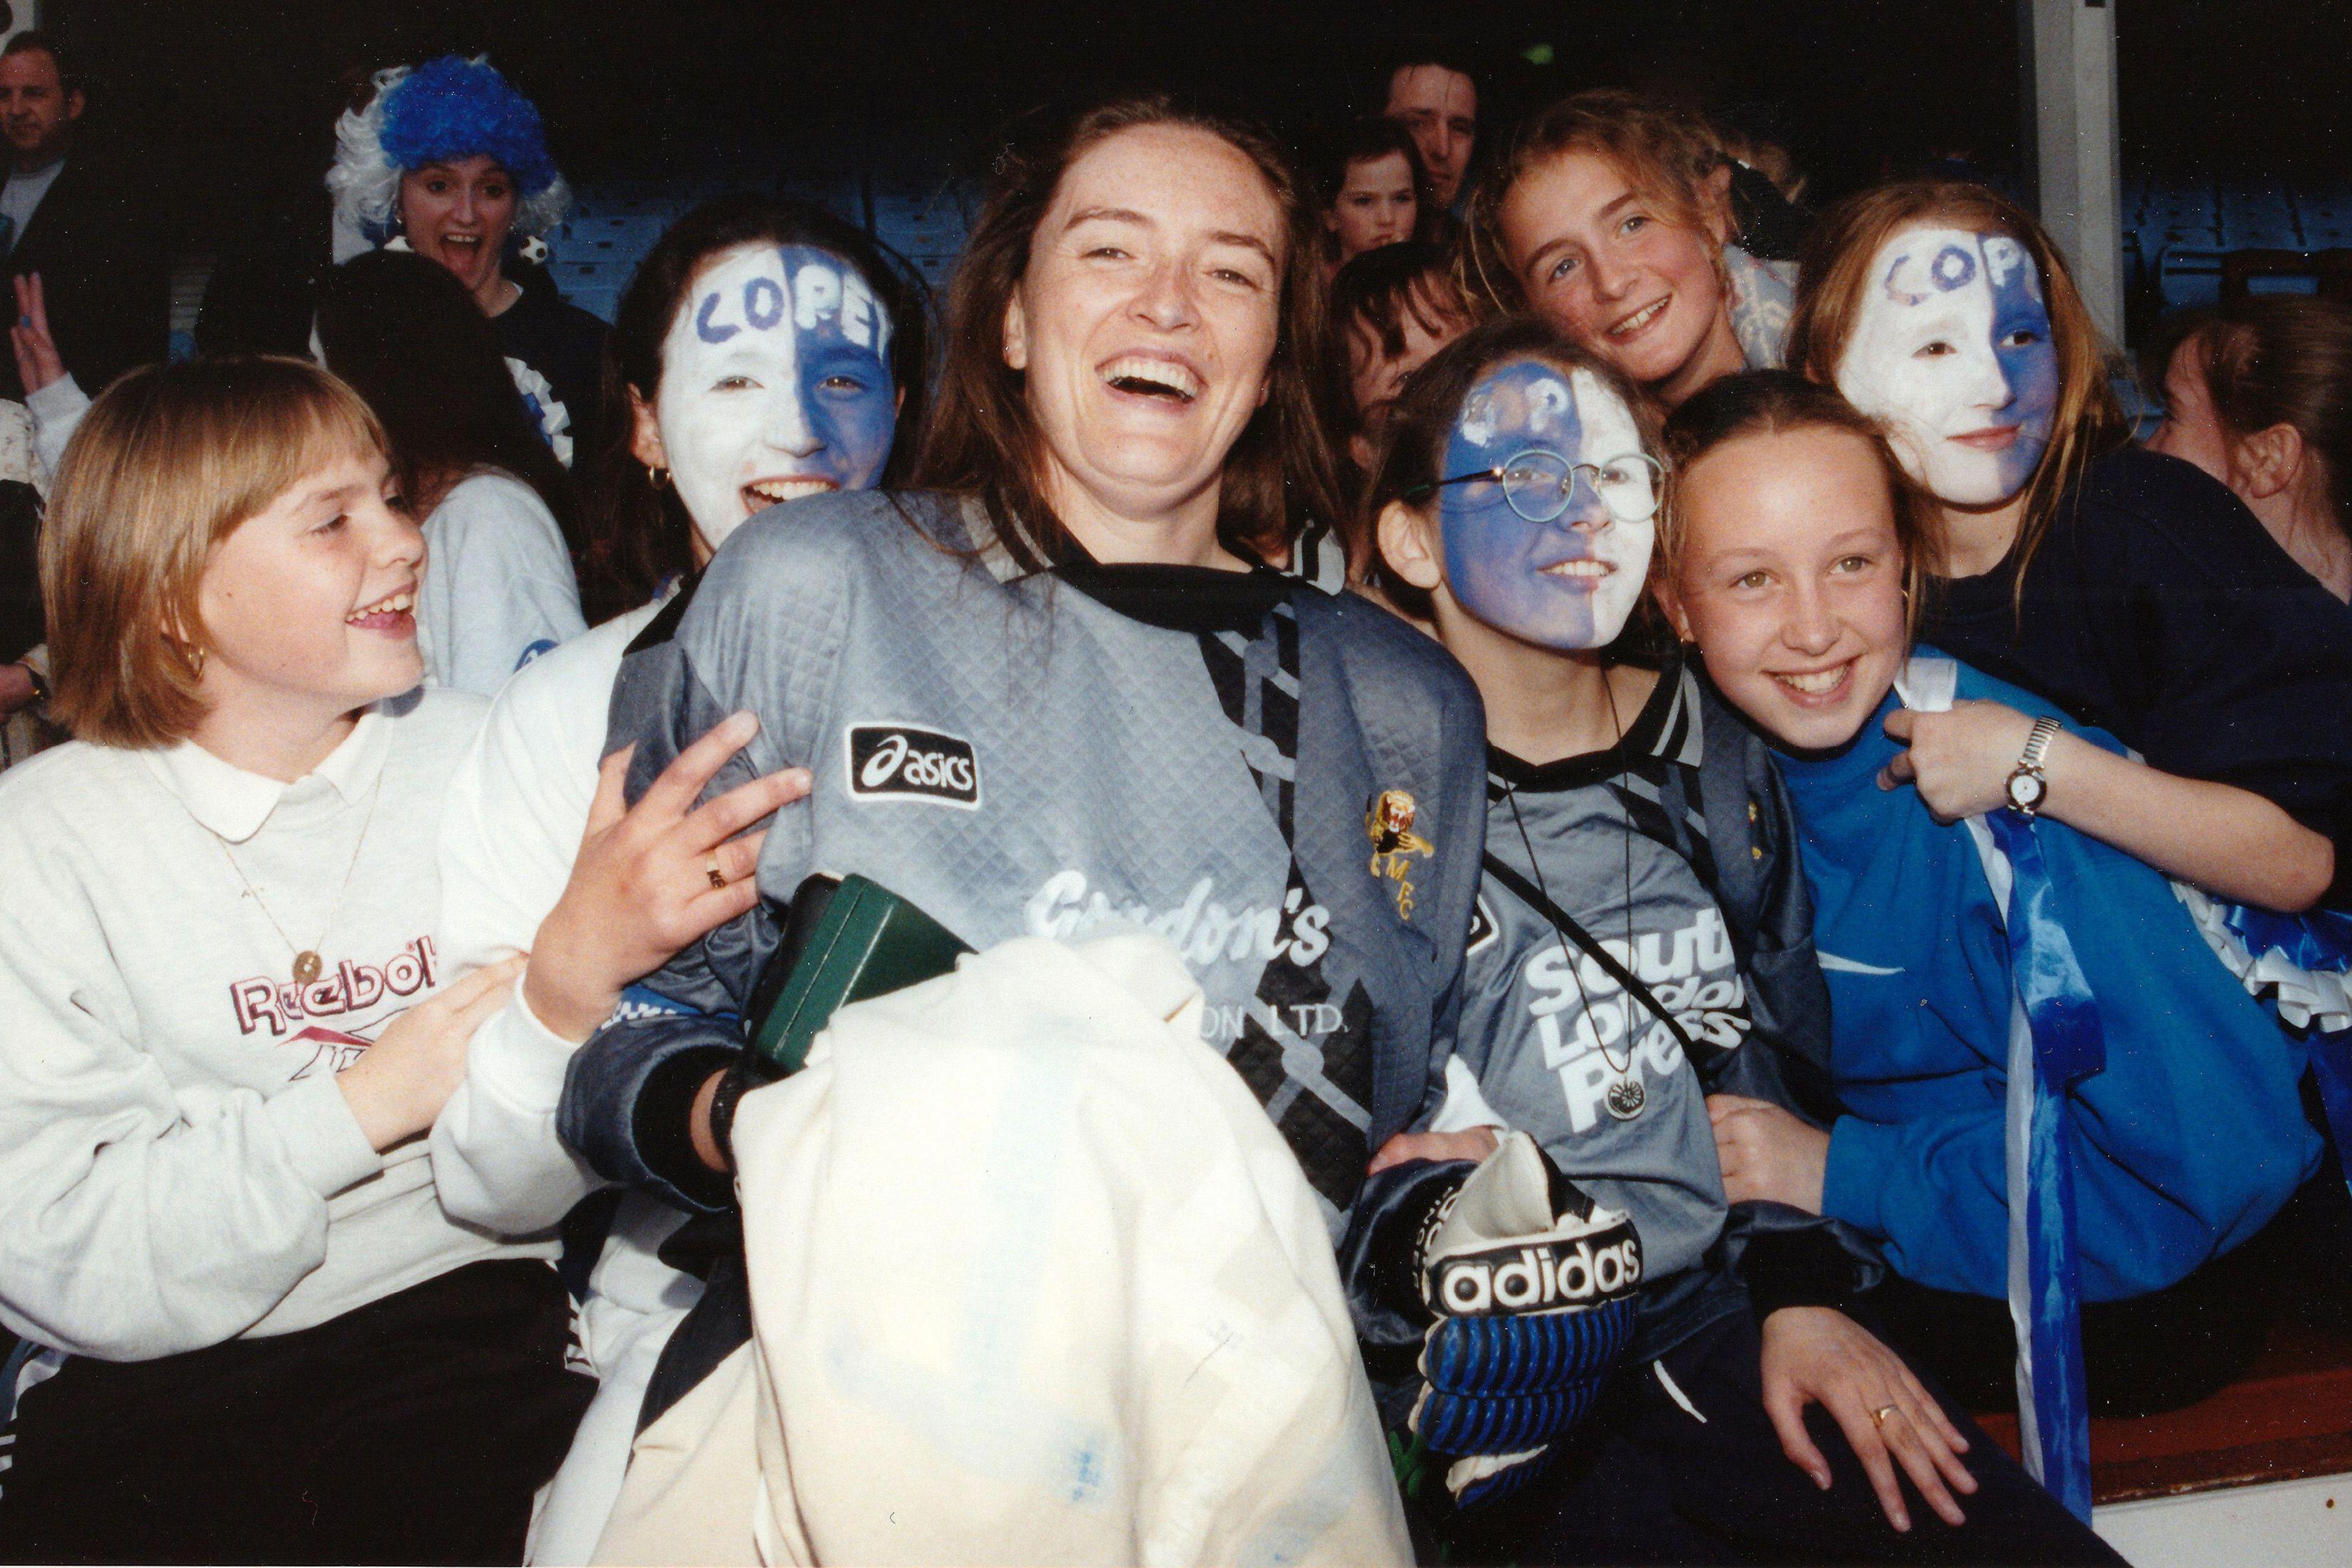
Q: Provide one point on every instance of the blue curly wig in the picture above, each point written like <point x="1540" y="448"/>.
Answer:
<point x="450" y="109"/>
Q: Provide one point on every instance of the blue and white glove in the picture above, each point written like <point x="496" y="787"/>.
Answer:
<point x="1533" y="1286"/>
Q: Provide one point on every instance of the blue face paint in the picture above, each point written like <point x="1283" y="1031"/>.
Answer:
<point x="775" y="383"/>
<point x="1567" y="584"/>
<point x="2028" y="352"/>
<point x="1952" y="346"/>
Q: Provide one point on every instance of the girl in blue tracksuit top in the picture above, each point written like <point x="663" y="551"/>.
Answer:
<point x="1790" y="567"/>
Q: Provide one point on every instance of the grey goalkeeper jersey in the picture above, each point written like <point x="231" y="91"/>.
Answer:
<point x="1017" y="757"/>
<point x="1560" y="1050"/>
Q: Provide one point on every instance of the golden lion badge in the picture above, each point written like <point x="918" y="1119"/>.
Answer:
<point x="1389" y="825"/>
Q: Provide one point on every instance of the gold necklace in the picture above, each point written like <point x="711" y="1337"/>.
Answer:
<point x="307" y="964"/>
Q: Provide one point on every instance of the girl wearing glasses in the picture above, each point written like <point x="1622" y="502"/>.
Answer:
<point x="1639" y="920"/>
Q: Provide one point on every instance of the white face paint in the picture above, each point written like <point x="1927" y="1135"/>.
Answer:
<point x="775" y="385"/>
<point x="1952" y="348"/>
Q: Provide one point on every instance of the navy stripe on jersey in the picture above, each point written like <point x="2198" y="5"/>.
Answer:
<point x="1319" y="1099"/>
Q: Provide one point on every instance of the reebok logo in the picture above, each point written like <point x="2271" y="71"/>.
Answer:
<point x="900" y="762"/>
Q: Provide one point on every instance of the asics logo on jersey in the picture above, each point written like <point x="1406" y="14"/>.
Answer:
<point x="1542" y="1278"/>
<point x="903" y="762"/>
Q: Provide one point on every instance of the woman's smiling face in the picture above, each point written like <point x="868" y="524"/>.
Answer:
<point x="1146" y="323"/>
<point x="1789" y="579"/>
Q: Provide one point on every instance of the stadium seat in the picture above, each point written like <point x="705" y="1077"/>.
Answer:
<point x="2290" y="1417"/>
<point x="2247" y="272"/>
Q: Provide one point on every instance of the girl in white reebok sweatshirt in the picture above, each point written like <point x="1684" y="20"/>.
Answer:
<point x="250" y="1331"/>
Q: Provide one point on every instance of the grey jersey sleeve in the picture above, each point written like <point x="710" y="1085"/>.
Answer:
<point x="685" y="1020"/>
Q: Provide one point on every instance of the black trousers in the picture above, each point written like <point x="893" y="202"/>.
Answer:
<point x="414" y="1429"/>
<point x="1644" y="1481"/>
<point x="2159" y="1351"/>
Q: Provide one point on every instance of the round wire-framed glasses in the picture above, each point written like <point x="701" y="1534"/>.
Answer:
<point x="1540" y="485"/>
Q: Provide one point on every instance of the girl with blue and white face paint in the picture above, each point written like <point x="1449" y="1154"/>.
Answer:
<point x="1952" y="350"/>
<point x="1548" y="510"/>
<point x="764" y="348"/>
<point x="776" y="384"/>
<point x="2125" y="590"/>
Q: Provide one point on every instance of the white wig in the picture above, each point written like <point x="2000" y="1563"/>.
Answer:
<point x="366" y="179"/>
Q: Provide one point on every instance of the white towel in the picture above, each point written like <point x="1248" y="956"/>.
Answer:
<point x="1034" y="1279"/>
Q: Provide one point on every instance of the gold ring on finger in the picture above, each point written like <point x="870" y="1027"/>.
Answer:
<point x="719" y="879"/>
<point x="1879" y="1415"/>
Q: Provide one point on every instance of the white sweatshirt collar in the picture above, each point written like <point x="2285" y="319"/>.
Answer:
<point x="233" y="803"/>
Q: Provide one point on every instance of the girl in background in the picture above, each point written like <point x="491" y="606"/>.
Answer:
<point x="497" y="507"/>
<point x="2258" y="393"/>
<point x="1373" y="188"/>
<point x="1391" y="309"/>
<point x="1613" y="216"/>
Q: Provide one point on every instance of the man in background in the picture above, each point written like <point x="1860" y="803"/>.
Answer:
<point x="90" y="235"/>
<point x="1434" y="98"/>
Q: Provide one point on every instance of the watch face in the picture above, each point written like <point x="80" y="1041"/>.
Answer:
<point x="2025" y="790"/>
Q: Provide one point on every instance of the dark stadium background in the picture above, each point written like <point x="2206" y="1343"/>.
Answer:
<point x="233" y="100"/>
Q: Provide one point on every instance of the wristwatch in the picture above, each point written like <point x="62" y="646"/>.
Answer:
<point x="2029" y="786"/>
<point x="737" y="1081"/>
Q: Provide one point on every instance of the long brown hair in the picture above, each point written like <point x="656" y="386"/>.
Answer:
<point x="2275" y="359"/>
<point x="1775" y="403"/>
<point x="982" y="438"/>
<point x="1667" y="155"/>
<point x="636" y="533"/>
<point x="1835" y="270"/>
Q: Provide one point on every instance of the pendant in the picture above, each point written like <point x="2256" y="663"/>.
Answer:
<point x="308" y="967"/>
<point x="1626" y="1098"/>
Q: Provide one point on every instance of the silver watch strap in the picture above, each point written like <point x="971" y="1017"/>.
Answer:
<point x="2044" y="729"/>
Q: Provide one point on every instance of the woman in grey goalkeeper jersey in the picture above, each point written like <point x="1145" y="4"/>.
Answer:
<point x="1628" y="808"/>
<point x="1061" y="685"/>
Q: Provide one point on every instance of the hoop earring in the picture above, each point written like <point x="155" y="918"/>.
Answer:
<point x="193" y="656"/>
<point x="657" y="477"/>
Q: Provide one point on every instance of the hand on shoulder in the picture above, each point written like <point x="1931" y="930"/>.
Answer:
<point x="653" y="878"/>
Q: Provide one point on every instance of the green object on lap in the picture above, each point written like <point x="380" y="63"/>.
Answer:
<point x="843" y="943"/>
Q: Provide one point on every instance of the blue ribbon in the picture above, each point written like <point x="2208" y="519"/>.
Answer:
<point x="2068" y="1045"/>
<point x="2318" y="941"/>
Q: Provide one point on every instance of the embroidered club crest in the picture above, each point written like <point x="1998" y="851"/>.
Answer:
<point x="1389" y="825"/>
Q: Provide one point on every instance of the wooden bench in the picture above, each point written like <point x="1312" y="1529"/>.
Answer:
<point x="2289" y="1417"/>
